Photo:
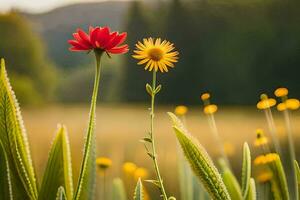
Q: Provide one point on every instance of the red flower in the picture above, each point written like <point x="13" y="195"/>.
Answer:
<point x="99" y="38"/>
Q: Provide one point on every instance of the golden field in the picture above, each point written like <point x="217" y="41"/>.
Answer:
<point x="120" y="127"/>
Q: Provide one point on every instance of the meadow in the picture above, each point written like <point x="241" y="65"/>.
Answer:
<point x="121" y="126"/>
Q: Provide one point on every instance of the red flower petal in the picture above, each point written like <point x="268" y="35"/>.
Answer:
<point x="99" y="38"/>
<point x="119" y="50"/>
<point x="77" y="45"/>
<point x="119" y="39"/>
<point x="84" y="36"/>
<point x="103" y="37"/>
<point x="81" y="41"/>
<point x="93" y="36"/>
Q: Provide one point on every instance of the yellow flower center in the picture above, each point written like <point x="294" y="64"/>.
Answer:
<point x="155" y="54"/>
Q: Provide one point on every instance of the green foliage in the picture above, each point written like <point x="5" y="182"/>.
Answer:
<point x="185" y="178"/>
<point x="61" y="195"/>
<point x="246" y="170"/>
<point x="200" y="162"/>
<point x="33" y="77"/>
<point x="279" y="182"/>
<point x="138" y="192"/>
<point x="223" y="46"/>
<point x="252" y="190"/>
<point x="86" y="182"/>
<point x="297" y="170"/>
<point x="118" y="190"/>
<point x="58" y="171"/>
<point x="14" y="142"/>
<point x="5" y="180"/>
<point x="230" y="181"/>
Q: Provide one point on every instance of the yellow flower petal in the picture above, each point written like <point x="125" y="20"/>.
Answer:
<point x="156" y="54"/>
<point x="281" y="92"/>
<point x="210" y="109"/>
<point x="292" y="104"/>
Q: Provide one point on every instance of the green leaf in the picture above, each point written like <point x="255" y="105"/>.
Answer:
<point x="251" y="191"/>
<point x="246" y="170"/>
<point x="5" y="179"/>
<point x="138" y="193"/>
<point x="157" y="89"/>
<point x="14" y="140"/>
<point x="61" y="195"/>
<point x="58" y="171"/>
<point x="149" y="89"/>
<point x="118" y="190"/>
<point x="154" y="182"/>
<point x="230" y="181"/>
<point x="279" y="182"/>
<point x="200" y="162"/>
<point x="297" y="170"/>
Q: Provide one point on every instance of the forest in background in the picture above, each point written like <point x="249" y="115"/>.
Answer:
<point x="234" y="49"/>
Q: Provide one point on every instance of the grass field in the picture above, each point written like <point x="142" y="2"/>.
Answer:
<point x="119" y="128"/>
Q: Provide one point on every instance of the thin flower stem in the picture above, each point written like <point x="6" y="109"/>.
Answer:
<point x="104" y="185"/>
<point x="154" y="158"/>
<point x="272" y="129"/>
<point x="287" y="120"/>
<point x="213" y="126"/>
<point x="91" y="124"/>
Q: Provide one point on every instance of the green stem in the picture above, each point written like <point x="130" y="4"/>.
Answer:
<point x="291" y="150"/>
<point x="154" y="158"/>
<point x="90" y="138"/>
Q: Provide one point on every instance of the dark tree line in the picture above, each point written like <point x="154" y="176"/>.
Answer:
<point x="234" y="49"/>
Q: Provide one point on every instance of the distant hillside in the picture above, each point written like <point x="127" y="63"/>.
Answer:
<point x="57" y="26"/>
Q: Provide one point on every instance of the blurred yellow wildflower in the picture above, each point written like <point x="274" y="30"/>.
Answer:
<point x="205" y="96"/>
<point x="103" y="163"/>
<point x="264" y="176"/>
<point x="229" y="148"/>
<point x="291" y="104"/>
<point x="181" y="110"/>
<point x="281" y="106"/>
<point x="129" y="167"/>
<point x="265" y="102"/>
<point x="265" y="159"/>
<point x="259" y="160"/>
<point x="156" y="54"/>
<point x="261" y="139"/>
<point x="210" y="109"/>
<point x="281" y="92"/>
<point x="271" y="157"/>
<point x="141" y="173"/>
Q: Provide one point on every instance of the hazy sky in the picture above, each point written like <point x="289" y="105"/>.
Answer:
<point x="37" y="5"/>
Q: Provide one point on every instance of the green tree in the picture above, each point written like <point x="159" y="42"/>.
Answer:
<point x="134" y="77"/>
<point x="33" y="76"/>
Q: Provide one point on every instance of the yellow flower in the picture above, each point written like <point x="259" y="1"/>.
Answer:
<point x="264" y="177"/>
<point x="265" y="102"/>
<point x="292" y="104"/>
<point x="271" y="157"/>
<point x="155" y="54"/>
<point x="261" y="139"/>
<point x="281" y="106"/>
<point x="141" y="173"/>
<point x="181" y="110"/>
<point x="229" y="148"/>
<point x="210" y="109"/>
<point x="281" y="92"/>
<point x="205" y="96"/>
<point x="103" y="163"/>
<point x="129" y="167"/>
<point x="265" y="159"/>
<point x="259" y="160"/>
